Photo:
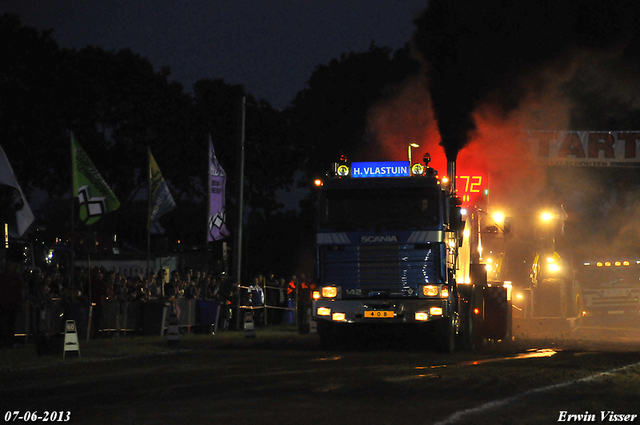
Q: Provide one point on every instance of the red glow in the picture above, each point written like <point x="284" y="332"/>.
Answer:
<point x="498" y="151"/>
<point x="402" y="120"/>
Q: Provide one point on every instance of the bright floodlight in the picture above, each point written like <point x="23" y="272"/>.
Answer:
<point x="412" y="145"/>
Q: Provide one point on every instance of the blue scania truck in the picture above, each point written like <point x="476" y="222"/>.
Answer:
<point x="396" y="252"/>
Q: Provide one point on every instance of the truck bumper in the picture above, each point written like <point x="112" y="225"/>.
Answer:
<point x="381" y="310"/>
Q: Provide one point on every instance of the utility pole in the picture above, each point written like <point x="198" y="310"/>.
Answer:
<point x="237" y="258"/>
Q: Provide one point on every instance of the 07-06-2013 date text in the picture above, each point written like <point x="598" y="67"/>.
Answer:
<point x="45" y="416"/>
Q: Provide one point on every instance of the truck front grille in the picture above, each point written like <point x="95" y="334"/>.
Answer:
<point x="379" y="267"/>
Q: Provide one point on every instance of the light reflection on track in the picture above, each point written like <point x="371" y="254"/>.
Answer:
<point x="531" y="354"/>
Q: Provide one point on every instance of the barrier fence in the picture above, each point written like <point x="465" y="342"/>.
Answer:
<point x="130" y="317"/>
<point x="290" y="310"/>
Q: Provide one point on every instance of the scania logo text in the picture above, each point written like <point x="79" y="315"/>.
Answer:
<point x="373" y="239"/>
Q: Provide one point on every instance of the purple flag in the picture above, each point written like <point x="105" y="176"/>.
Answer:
<point x="217" y="214"/>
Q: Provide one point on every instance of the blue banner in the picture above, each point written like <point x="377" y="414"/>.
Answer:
<point x="380" y="169"/>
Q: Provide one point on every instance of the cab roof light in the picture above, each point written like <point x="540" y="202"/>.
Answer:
<point x="417" y="169"/>
<point x="624" y="263"/>
<point x="342" y="170"/>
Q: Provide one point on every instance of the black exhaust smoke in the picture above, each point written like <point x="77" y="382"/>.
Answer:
<point x="494" y="53"/>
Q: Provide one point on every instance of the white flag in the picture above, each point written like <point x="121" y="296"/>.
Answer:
<point x="14" y="200"/>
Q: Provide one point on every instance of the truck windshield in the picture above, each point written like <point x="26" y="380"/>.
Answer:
<point x="377" y="208"/>
<point x="607" y="276"/>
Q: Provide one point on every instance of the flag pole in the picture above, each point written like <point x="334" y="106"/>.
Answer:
<point x="72" y="221"/>
<point x="148" y="212"/>
<point x="238" y="237"/>
<point x="73" y="237"/>
<point x="203" y="289"/>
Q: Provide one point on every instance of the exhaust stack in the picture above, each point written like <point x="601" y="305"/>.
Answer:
<point x="451" y="173"/>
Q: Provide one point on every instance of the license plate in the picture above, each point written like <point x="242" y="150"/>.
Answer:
<point x="379" y="314"/>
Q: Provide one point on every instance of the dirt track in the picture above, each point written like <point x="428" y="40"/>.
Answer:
<point x="282" y="377"/>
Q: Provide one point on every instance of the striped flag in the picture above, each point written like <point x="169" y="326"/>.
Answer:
<point x="160" y="199"/>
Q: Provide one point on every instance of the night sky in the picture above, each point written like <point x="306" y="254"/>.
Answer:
<point x="271" y="47"/>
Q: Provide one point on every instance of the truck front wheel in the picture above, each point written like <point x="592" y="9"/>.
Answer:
<point x="330" y="335"/>
<point x="446" y="334"/>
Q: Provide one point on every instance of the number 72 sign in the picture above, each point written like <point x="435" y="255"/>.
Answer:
<point x="470" y="188"/>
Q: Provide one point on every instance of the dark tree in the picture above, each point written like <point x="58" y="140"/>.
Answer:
<point x="31" y="120"/>
<point x="329" y="116"/>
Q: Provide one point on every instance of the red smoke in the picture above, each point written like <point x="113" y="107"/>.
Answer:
<point x="407" y="118"/>
<point x="498" y="148"/>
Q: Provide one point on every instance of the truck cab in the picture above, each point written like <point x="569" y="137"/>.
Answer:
<point x="387" y="252"/>
<point x="611" y="289"/>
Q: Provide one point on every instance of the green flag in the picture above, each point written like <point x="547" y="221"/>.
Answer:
<point x="95" y="196"/>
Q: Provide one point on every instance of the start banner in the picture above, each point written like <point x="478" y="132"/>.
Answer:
<point x="586" y="148"/>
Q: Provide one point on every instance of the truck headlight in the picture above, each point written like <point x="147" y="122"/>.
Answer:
<point x="330" y="292"/>
<point x="323" y="311"/>
<point x="430" y="290"/>
<point x="421" y="316"/>
<point x="435" y="311"/>
<point x="338" y="317"/>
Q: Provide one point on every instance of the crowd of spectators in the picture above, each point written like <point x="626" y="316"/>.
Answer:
<point x="267" y="296"/>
